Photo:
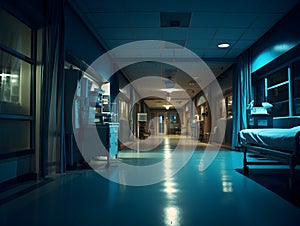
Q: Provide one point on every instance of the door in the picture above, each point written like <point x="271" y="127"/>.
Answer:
<point x="161" y="123"/>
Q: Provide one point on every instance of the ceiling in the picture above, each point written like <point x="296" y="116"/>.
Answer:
<point x="197" y="25"/>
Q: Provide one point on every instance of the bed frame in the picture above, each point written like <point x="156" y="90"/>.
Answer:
<point x="292" y="159"/>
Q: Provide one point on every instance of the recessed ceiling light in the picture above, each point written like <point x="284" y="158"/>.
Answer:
<point x="223" y="45"/>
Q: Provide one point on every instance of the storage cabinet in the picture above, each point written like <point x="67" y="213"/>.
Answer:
<point x="142" y="126"/>
<point x="108" y="133"/>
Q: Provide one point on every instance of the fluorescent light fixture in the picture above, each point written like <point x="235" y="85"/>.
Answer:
<point x="223" y="45"/>
<point x="167" y="106"/>
<point x="171" y="90"/>
<point x="9" y="75"/>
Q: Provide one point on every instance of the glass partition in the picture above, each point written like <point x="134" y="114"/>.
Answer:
<point x="15" y="34"/>
<point x="15" y="79"/>
<point x="296" y="87"/>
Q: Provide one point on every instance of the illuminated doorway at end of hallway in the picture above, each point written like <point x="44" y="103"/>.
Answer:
<point x="161" y="123"/>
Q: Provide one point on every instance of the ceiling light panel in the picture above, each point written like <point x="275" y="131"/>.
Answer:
<point x="224" y="45"/>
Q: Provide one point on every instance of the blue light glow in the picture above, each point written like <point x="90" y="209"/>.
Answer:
<point x="270" y="54"/>
<point x="283" y="47"/>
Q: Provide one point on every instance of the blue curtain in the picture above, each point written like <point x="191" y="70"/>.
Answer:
<point x="241" y="95"/>
<point x="52" y="112"/>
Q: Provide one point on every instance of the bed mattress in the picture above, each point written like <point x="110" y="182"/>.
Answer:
<point x="273" y="138"/>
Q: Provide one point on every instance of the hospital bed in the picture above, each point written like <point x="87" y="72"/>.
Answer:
<point x="281" y="145"/>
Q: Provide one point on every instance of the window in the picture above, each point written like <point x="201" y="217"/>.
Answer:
<point x="281" y="89"/>
<point x="15" y="34"/>
<point x="296" y="87"/>
<point x="229" y="106"/>
<point x="16" y="107"/>
<point x="277" y="92"/>
<point x="123" y="107"/>
<point x="15" y="77"/>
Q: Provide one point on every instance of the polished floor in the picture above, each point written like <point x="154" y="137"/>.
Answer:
<point x="217" y="195"/>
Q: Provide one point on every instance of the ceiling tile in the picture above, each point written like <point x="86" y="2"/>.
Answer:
<point x="229" y="33"/>
<point x="262" y="6"/>
<point x="173" y="33"/>
<point x="104" y="6"/>
<point x="201" y="33"/>
<point x="253" y="34"/>
<point x="198" y="44"/>
<point x="266" y="21"/>
<point x="237" y="20"/>
<point x="144" y="19"/>
<point x="206" y="20"/>
<point x="116" y="33"/>
<point x="146" y="33"/>
<point x="109" y="20"/>
<point x="141" y="5"/>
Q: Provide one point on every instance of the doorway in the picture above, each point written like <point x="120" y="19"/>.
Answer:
<point x="161" y="123"/>
<point x="173" y="123"/>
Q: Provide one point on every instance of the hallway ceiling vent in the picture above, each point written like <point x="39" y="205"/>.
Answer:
<point x="175" y="19"/>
